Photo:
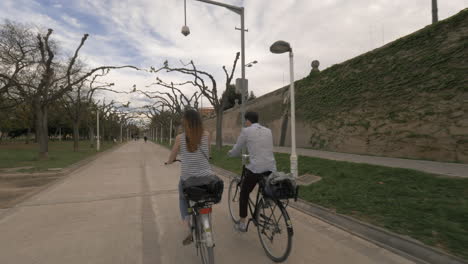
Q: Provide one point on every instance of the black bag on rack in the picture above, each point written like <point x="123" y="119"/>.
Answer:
<point x="280" y="187"/>
<point x="204" y="188"/>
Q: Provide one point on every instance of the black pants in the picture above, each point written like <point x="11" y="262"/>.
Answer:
<point x="248" y="184"/>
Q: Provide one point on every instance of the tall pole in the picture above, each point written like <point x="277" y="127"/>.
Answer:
<point x="243" y="92"/>
<point x="240" y="11"/>
<point x="435" y="17"/>
<point x="293" y="117"/>
<point x="161" y="133"/>
<point x="98" y="143"/>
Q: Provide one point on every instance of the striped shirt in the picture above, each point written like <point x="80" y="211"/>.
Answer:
<point x="194" y="164"/>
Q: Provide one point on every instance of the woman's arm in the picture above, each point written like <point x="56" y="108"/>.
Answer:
<point x="209" y="144"/>
<point x="175" y="150"/>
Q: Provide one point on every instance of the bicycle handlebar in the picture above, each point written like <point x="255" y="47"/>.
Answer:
<point x="176" y="160"/>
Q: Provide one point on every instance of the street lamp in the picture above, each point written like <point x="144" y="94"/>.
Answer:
<point x="243" y="82"/>
<point x="185" y="29"/>
<point x="281" y="47"/>
<point x="98" y="142"/>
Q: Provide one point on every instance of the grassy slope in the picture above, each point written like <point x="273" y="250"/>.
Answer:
<point x="431" y="209"/>
<point x="391" y="76"/>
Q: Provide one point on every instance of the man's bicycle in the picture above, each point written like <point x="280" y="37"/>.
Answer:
<point x="270" y="217"/>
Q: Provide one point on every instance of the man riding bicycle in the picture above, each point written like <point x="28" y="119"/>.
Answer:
<point x="259" y="142"/>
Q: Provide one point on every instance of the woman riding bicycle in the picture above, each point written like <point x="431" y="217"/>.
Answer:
<point x="194" y="148"/>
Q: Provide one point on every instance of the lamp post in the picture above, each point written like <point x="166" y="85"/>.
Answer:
<point x="243" y="82"/>
<point x="121" y="130"/>
<point x="281" y="47"/>
<point x="98" y="143"/>
<point x="161" y="134"/>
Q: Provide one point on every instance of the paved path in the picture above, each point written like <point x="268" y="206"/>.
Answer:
<point x="443" y="168"/>
<point x="123" y="208"/>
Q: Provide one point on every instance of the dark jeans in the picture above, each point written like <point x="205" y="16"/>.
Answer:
<point x="248" y="184"/>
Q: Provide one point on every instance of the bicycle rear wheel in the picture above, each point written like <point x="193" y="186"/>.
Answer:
<point x="206" y="253"/>
<point x="274" y="229"/>
<point x="233" y="199"/>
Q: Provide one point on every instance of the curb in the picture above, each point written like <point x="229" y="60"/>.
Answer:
<point x="401" y="245"/>
<point x="60" y="175"/>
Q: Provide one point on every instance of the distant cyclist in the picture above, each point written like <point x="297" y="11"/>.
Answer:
<point x="145" y="138"/>
<point x="194" y="148"/>
<point x="259" y="142"/>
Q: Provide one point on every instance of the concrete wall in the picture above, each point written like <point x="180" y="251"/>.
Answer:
<point x="406" y="99"/>
<point x="441" y="137"/>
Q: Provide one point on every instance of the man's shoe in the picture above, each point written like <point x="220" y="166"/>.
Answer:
<point x="240" y="227"/>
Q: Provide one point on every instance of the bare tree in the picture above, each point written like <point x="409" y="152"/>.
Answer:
<point x="175" y="100"/>
<point x="44" y="81"/>
<point x="77" y="102"/>
<point x="17" y="55"/>
<point x="201" y="80"/>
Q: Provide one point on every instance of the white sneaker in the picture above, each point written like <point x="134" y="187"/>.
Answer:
<point x="240" y="227"/>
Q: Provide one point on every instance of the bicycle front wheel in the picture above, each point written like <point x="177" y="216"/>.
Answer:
<point x="233" y="199"/>
<point x="274" y="229"/>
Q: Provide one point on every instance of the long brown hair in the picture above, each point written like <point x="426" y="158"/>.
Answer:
<point x="193" y="129"/>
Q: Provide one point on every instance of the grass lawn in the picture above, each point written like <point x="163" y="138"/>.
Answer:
<point x="164" y="143"/>
<point x="61" y="155"/>
<point x="18" y="154"/>
<point x="423" y="206"/>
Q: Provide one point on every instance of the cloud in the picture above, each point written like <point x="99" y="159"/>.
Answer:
<point x="72" y="21"/>
<point x="146" y="32"/>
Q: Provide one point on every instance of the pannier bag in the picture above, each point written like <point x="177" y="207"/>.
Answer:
<point x="280" y="186"/>
<point x="203" y="188"/>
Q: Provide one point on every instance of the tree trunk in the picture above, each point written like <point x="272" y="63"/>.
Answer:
<point x="219" y="128"/>
<point x="91" y="136"/>
<point x="42" y="132"/>
<point x="435" y="17"/>
<point x="102" y="135"/>
<point x="76" y="135"/>
<point x="28" y="135"/>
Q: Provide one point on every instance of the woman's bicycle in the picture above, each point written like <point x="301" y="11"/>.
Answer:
<point x="270" y="217"/>
<point x="202" y="231"/>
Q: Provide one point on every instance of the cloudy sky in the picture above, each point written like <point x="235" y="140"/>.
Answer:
<point x="145" y="33"/>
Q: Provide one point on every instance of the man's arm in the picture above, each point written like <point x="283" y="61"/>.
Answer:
<point x="240" y="144"/>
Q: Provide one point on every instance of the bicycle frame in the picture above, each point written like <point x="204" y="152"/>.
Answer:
<point x="262" y="210"/>
<point x="251" y="203"/>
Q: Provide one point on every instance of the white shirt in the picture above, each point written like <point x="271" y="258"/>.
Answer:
<point x="259" y="142"/>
